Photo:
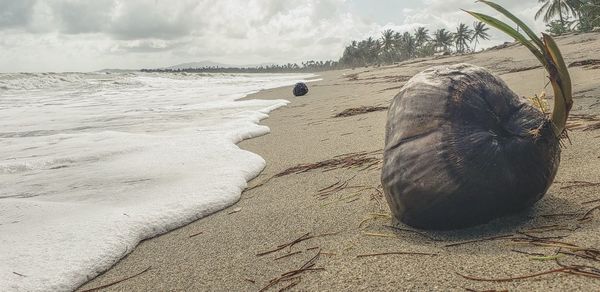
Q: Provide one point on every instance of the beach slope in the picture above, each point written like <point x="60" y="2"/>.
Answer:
<point x="316" y="220"/>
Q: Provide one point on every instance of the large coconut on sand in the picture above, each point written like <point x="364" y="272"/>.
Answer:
<point x="462" y="148"/>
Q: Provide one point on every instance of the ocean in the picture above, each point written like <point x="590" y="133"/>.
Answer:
<point x="93" y="163"/>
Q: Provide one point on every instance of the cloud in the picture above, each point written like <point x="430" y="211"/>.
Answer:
<point x="76" y="17"/>
<point x="90" y="35"/>
<point x="15" y="13"/>
<point x="145" y="46"/>
<point x="160" y="19"/>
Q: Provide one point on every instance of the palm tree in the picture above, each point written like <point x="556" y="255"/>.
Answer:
<point x="427" y="49"/>
<point x="421" y="36"/>
<point x="398" y="46"/>
<point x="589" y="15"/>
<point x="349" y="57"/>
<point x="372" y="49"/>
<point x="387" y="44"/>
<point x="479" y="32"/>
<point x="387" y="39"/>
<point x="562" y="8"/>
<point x="462" y="37"/>
<point x="361" y="54"/>
<point x="408" y="47"/>
<point x="442" y="39"/>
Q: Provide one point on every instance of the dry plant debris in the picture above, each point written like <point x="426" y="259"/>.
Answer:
<point x="566" y="270"/>
<point x="586" y="63"/>
<point x="379" y="79"/>
<point x="360" y="110"/>
<point x="565" y="249"/>
<point x="584" y="122"/>
<point x="304" y="237"/>
<point x="290" y="244"/>
<point x="396" y="253"/>
<point x="293" y="275"/>
<point x="362" y="160"/>
<point x="352" y="77"/>
<point x="499" y="237"/>
<point x="514" y="70"/>
<point x="590" y="201"/>
<point x="391" y="88"/>
<point x="492" y="290"/>
<point x="355" y="192"/>
<point x="195" y="234"/>
<point x="423" y="234"/>
<point x="545" y="237"/>
<point x="578" y="184"/>
<point x="288" y="255"/>
<point x="116" y="282"/>
<point x="526" y="238"/>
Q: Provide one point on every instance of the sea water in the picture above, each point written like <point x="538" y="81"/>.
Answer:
<point x="93" y="163"/>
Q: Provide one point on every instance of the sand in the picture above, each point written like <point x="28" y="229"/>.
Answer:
<point x="219" y="252"/>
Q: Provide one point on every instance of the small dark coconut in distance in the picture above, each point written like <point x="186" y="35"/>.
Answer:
<point x="461" y="148"/>
<point x="300" y="89"/>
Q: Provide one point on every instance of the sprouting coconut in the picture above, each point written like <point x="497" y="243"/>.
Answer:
<point x="461" y="148"/>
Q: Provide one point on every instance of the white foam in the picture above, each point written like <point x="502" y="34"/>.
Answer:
<point x="89" y="169"/>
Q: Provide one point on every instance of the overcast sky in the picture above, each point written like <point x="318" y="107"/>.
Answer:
<point x="88" y="35"/>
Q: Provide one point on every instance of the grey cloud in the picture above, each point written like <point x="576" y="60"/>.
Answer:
<point x="162" y="20"/>
<point x="236" y="32"/>
<point x="14" y="13"/>
<point x="325" y="9"/>
<point x="148" y="46"/>
<point x="122" y="20"/>
<point x="329" y="40"/>
<point x="272" y="8"/>
<point x="83" y="17"/>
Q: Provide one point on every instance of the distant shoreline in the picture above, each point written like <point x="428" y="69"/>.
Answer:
<point x="288" y="68"/>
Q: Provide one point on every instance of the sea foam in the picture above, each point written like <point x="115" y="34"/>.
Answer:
<point x="91" y="164"/>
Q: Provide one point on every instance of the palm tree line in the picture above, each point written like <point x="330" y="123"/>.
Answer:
<point x="391" y="47"/>
<point x="395" y="46"/>
<point x="308" y="66"/>
<point x="563" y="16"/>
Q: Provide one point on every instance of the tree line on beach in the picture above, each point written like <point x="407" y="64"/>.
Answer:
<point x="308" y="66"/>
<point x="566" y="16"/>
<point x="395" y="46"/>
<point x="560" y="16"/>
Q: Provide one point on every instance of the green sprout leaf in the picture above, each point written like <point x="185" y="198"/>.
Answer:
<point x="557" y="58"/>
<point x="547" y="53"/>
<point x="535" y="38"/>
<point x="509" y="31"/>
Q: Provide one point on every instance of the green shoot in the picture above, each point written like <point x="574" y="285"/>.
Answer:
<point x="548" y="55"/>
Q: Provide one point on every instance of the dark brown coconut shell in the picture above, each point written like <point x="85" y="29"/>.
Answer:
<point x="300" y="89"/>
<point x="461" y="148"/>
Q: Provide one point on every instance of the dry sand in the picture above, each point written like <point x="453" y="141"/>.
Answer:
<point x="222" y="256"/>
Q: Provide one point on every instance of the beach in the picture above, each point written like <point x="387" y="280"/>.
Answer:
<point x="315" y="219"/>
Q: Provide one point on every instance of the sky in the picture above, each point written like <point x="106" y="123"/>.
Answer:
<point x="89" y="35"/>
